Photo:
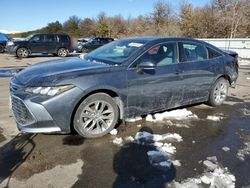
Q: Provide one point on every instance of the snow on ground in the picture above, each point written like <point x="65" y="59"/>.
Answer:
<point x="244" y="151"/>
<point x="118" y="141"/>
<point x="132" y="120"/>
<point x="113" y="132"/>
<point x="161" y="156"/>
<point x="145" y="136"/>
<point x="180" y="114"/>
<point x="225" y="148"/>
<point x="214" y="176"/>
<point x="214" y="118"/>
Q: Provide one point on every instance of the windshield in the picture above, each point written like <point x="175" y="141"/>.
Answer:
<point x="115" y="52"/>
<point x="29" y="37"/>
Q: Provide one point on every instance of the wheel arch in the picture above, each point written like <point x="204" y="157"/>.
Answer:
<point x="110" y="92"/>
<point x="23" y="46"/>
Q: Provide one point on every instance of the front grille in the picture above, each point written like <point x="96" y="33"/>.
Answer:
<point x="21" y="112"/>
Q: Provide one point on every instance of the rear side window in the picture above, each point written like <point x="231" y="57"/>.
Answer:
<point x="212" y="53"/>
<point x="50" y="38"/>
<point x="63" y="38"/>
<point x="193" y="52"/>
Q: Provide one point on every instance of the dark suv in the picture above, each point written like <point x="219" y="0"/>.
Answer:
<point x="3" y="40"/>
<point x="57" y="44"/>
<point x="92" y="44"/>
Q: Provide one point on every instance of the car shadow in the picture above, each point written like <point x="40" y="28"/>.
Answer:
<point x="134" y="169"/>
<point x="14" y="153"/>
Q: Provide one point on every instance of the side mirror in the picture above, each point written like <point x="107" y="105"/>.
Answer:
<point x="146" y="65"/>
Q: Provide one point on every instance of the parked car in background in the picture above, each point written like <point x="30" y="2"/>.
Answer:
<point x="57" y="44"/>
<point x="82" y="40"/>
<point x="125" y="78"/>
<point x="3" y="40"/>
<point x="92" y="44"/>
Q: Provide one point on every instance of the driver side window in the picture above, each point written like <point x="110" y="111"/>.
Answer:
<point x="37" y="38"/>
<point x="160" y="55"/>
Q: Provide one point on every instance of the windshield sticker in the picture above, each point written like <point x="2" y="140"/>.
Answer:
<point x="135" y="44"/>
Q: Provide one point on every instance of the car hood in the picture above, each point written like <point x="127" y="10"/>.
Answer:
<point x="52" y="72"/>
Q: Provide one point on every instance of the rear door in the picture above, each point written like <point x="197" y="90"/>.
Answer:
<point x="196" y="70"/>
<point x="50" y="43"/>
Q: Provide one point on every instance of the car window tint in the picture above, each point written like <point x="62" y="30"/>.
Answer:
<point x="194" y="52"/>
<point x="212" y="53"/>
<point x="37" y="38"/>
<point x="63" y="38"/>
<point x="49" y="38"/>
<point x="161" y="55"/>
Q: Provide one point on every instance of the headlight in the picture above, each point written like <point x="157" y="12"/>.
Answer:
<point x="9" y="43"/>
<point x="49" y="91"/>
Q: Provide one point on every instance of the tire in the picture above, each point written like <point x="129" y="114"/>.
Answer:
<point x="62" y="52"/>
<point x="96" y="116"/>
<point x="22" y="52"/>
<point x="1" y="49"/>
<point x="218" y="93"/>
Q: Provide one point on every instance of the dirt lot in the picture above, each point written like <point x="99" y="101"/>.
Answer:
<point x="209" y="147"/>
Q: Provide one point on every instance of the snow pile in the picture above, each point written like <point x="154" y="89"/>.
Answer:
<point x="159" y="159"/>
<point x="148" y="137"/>
<point x="118" y="141"/>
<point x="244" y="151"/>
<point x="214" y="118"/>
<point x="215" y="176"/>
<point x="225" y="148"/>
<point x="180" y="114"/>
<point x="113" y="132"/>
<point x="176" y="163"/>
<point x="159" y="155"/>
<point x="132" y="120"/>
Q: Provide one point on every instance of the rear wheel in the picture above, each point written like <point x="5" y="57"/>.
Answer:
<point x="62" y="52"/>
<point x="96" y="116"/>
<point x="22" y="52"/>
<point x="218" y="93"/>
<point x="1" y="49"/>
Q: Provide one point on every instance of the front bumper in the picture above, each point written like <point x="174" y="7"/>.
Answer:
<point x="37" y="114"/>
<point x="11" y="49"/>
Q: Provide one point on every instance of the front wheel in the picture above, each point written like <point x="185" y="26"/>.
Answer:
<point x="96" y="116"/>
<point x="218" y="93"/>
<point x="62" y="52"/>
<point x="22" y="52"/>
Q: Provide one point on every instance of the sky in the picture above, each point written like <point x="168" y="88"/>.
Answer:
<point x="26" y="15"/>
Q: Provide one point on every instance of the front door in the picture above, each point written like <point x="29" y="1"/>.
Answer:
<point x="155" y="89"/>
<point x="37" y="44"/>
